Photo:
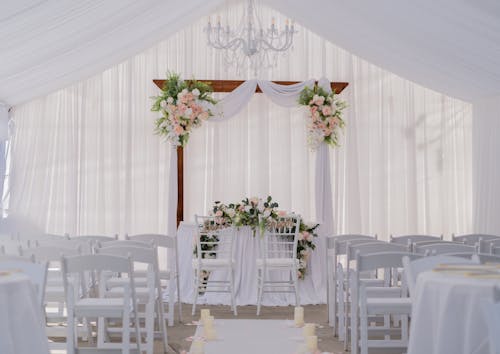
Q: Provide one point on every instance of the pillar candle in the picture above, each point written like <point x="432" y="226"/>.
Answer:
<point x="198" y="347"/>
<point x="309" y="329"/>
<point x="205" y="313"/>
<point x="312" y="343"/>
<point x="299" y="316"/>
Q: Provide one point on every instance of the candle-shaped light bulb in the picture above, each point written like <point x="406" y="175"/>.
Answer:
<point x="273" y="21"/>
<point x="286" y="22"/>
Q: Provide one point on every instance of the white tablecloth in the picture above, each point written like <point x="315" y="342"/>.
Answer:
<point x="312" y="289"/>
<point x="447" y="314"/>
<point x="254" y="336"/>
<point x="22" y="330"/>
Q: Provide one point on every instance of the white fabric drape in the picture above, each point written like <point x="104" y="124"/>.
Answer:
<point x="283" y="95"/>
<point x="486" y="165"/>
<point x="86" y="160"/>
<point x="46" y="45"/>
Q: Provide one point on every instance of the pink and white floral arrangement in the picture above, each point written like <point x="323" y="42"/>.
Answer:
<point x="258" y="214"/>
<point x="324" y="115"/>
<point x="184" y="105"/>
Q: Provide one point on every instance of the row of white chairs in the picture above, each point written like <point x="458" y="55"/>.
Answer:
<point x="215" y="251"/>
<point x="365" y="282"/>
<point x="142" y="248"/>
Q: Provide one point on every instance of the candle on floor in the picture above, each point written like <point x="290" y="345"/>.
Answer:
<point x="299" y="316"/>
<point x="209" y="333"/>
<point x="205" y="313"/>
<point x="198" y="347"/>
<point x="208" y="321"/>
<point x="309" y="329"/>
<point x="312" y="343"/>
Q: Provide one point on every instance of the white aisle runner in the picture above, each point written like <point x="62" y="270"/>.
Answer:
<point x="311" y="289"/>
<point x="254" y="336"/>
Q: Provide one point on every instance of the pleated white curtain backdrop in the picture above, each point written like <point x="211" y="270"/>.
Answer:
<point x="86" y="160"/>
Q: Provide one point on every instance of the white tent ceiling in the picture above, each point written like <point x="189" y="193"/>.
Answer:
<point x="452" y="46"/>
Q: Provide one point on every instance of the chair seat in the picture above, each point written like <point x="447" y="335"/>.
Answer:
<point x="277" y="262"/>
<point x="211" y="263"/>
<point x="99" y="307"/>
<point x="400" y="305"/>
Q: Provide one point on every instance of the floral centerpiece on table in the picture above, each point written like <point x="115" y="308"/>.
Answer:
<point x="259" y="215"/>
<point x="184" y="105"/>
<point x="324" y="115"/>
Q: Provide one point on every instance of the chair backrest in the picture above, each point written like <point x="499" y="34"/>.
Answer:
<point x="141" y="254"/>
<point x="158" y="239"/>
<point x="342" y="246"/>
<point x="281" y="237"/>
<point x="86" y="246"/>
<point x="410" y="239"/>
<point x="483" y="258"/>
<point x="125" y="243"/>
<point x="12" y="247"/>
<point x="332" y="240"/>
<point x="213" y="241"/>
<point x="50" y="253"/>
<point x="444" y="248"/>
<point x="414" y="267"/>
<point x="37" y="272"/>
<point x="381" y="260"/>
<point x="95" y="238"/>
<point x="374" y="247"/>
<point x="77" y="268"/>
<point x="472" y="239"/>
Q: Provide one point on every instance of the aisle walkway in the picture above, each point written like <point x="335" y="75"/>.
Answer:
<point x="313" y="313"/>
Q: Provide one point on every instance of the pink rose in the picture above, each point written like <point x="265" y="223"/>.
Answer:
<point x="178" y="130"/>
<point x="281" y="213"/>
<point x="218" y="213"/>
<point x="327" y="110"/>
<point x="204" y="116"/>
<point x="306" y="235"/>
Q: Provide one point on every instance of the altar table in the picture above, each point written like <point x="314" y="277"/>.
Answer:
<point x="447" y="314"/>
<point x="312" y="290"/>
<point x="22" y="328"/>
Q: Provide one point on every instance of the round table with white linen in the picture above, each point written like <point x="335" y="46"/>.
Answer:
<point x="312" y="289"/>
<point x="22" y="329"/>
<point x="447" y="314"/>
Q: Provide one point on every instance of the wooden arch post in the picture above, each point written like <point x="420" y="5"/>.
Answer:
<point x="220" y="86"/>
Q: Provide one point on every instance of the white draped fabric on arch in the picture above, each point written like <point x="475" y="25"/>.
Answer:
<point x="86" y="160"/>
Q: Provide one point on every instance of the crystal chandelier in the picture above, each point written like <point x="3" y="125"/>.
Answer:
<point x="250" y="45"/>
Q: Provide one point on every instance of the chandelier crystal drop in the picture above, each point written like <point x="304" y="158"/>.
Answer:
<point x="250" y="46"/>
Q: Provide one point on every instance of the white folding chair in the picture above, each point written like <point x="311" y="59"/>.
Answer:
<point x="380" y="286"/>
<point x="148" y="293"/>
<point x="491" y="315"/>
<point x="214" y="251"/>
<point x="169" y="273"/>
<point x="396" y="304"/>
<point x="82" y="303"/>
<point x="332" y="254"/>
<point x="412" y="268"/>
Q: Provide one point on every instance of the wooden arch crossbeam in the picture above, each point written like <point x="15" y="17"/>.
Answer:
<point x="221" y="86"/>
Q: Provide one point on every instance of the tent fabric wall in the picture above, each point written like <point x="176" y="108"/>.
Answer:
<point x="449" y="46"/>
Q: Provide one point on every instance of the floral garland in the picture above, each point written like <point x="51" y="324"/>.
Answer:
<point x="183" y="106"/>
<point x="247" y="213"/>
<point x="325" y="115"/>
